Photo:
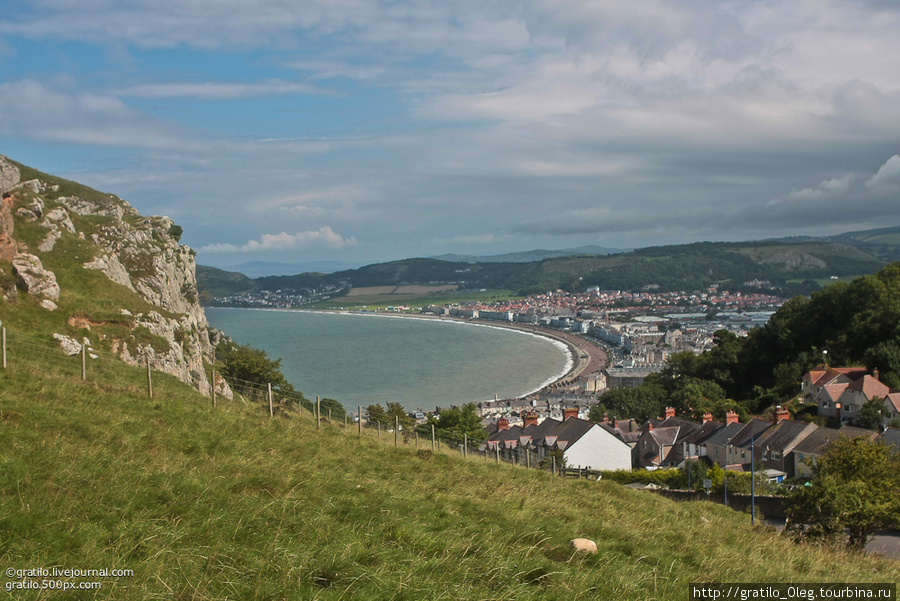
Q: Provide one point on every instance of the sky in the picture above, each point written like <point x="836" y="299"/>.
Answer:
<point x="366" y="131"/>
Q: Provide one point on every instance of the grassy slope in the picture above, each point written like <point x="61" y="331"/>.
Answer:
<point x="225" y="503"/>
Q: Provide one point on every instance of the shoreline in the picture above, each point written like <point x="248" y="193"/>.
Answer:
<point x="584" y="358"/>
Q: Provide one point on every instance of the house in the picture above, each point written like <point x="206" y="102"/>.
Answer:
<point x="730" y="446"/>
<point x="774" y="447"/>
<point x="807" y="452"/>
<point x="660" y="442"/>
<point x="582" y="443"/>
<point x="840" y="393"/>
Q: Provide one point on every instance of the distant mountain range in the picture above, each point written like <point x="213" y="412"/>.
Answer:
<point x="786" y="267"/>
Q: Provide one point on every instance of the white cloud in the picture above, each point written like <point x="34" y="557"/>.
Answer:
<point x="33" y="110"/>
<point x="887" y="180"/>
<point x="214" y="90"/>
<point x="324" y="237"/>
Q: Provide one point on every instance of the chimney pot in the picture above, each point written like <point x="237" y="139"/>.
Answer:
<point x="670" y="412"/>
<point x="731" y="417"/>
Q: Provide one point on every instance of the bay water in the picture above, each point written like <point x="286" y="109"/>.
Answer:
<point x="422" y="363"/>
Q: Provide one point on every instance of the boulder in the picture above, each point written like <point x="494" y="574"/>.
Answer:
<point x="33" y="278"/>
<point x="70" y="346"/>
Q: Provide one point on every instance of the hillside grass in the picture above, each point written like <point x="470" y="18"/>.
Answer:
<point x="227" y="503"/>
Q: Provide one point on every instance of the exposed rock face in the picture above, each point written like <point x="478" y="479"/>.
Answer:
<point x="9" y="175"/>
<point x="139" y="253"/>
<point x="33" y="278"/>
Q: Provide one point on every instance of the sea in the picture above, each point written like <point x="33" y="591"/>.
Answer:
<point x="421" y="363"/>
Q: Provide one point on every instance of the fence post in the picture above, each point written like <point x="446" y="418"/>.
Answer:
<point x="149" y="379"/>
<point x="213" y="379"/>
<point x="465" y="445"/>
<point x="359" y="420"/>
<point x="318" y="412"/>
<point x="527" y="458"/>
<point x="433" y="449"/>
<point x="83" y="362"/>
<point x="497" y="448"/>
<point x="396" y="430"/>
<point x="271" y="407"/>
<point x="4" y="348"/>
<point x="553" y="464"/>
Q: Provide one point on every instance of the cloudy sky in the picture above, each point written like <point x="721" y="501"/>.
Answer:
<point x="364" y="131"/>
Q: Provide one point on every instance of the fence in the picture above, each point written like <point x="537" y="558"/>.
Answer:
<point x="19" y="350"/>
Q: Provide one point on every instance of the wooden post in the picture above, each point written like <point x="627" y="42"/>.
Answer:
<point x="527" y="458"/>
<point x="359" y="420"/>
<point x="465" y="445"/>
<point x="318" y="412"/>
<point x="553" y="464"/>
<point x="213" y="378"/>
<point x="149" y="380"/>
<point x="379" y="430"/>
<point x="433" y="449"/>
<point x="4" y="348"/>
<point x="396" y="430"/>
<point x="271" y="406"/>
<point x="497" y="448"/>
<point x="83" y="362"/>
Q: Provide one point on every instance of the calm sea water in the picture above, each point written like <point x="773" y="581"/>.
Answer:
<point x="420" y="363"/>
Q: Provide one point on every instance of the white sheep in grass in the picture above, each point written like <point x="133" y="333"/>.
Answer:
<point x="583" y="544"/>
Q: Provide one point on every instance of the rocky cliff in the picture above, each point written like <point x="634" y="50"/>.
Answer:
<point x="48" y="225"/>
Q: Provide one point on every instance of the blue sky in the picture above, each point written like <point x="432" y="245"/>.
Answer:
<point x="356" y="131"/>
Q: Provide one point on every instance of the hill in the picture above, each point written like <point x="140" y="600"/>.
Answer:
<point x="228" y="503"/>
<point x="789" y="267"/>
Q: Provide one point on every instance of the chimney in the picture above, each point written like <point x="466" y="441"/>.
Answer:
<point x="731" y="417"/>
<point x="670" y="412"/>
<point x="605" y="419"/>
<point x="616" y="423"/>
<point x="502" y="424"/>
<point x="875" y="374"/>
<point x="781" y="413"/>
<point x="570" y="412"/>
<point x="529" y="419"/>
<point x="647" y="427"/>
<point x="707" y="417"/>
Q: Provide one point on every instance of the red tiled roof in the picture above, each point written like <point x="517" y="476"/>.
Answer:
<point x="870" y="387"/>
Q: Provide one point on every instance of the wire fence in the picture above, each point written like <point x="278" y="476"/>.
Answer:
<point x="72" y="360"/>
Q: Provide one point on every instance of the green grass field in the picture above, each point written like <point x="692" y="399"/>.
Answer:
<point x="227" y="503"/>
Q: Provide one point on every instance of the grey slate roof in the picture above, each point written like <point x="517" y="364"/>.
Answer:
<point x="723" y="436"/>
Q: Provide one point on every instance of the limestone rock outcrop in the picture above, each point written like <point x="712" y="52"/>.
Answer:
<point x="142" y="254"/>
<point x="9" y="175"/>
<point x="33" y="278"/>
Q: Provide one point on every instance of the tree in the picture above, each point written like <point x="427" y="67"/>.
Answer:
<point x="386" y="417"/>
<point x="333" y="408"/>
<point x="459" y="421"/>
<point x="244" y="365"/>
<point x="871" y="414"/>
<point x="855" y="487"/>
